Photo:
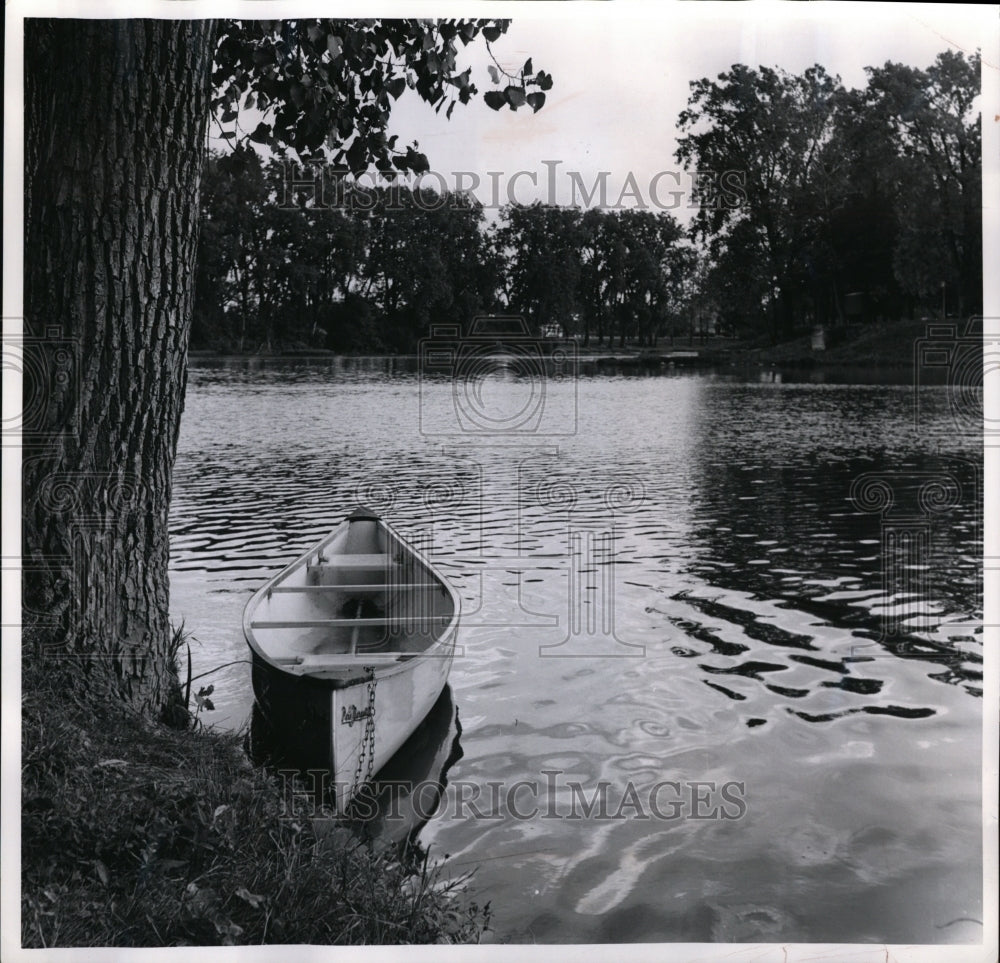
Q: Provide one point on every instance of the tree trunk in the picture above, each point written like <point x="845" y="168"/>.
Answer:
<point x="115" y="123"/>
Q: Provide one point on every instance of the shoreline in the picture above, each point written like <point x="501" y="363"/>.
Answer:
<point x="172" y="837"/>
<point x="874" y="347"/>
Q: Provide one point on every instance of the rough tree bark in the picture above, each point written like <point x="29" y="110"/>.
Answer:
<point x="115" y="123"/>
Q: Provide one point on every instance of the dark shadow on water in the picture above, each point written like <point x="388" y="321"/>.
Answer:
<point x="401" y="797"/>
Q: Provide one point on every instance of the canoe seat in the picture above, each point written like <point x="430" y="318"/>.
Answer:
<point x="350" y="588"/>
<point x="343" y="569"/>
<point x="421" y="620"/>
<point x="359" y="561"/>
<point x="322" y="661"/>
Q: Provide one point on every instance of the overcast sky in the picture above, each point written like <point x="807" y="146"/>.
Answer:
<point x="622" y="77"/>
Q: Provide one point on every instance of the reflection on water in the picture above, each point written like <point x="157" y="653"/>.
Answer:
<point x="403" y="795"/>
<point x="714" y="579"/>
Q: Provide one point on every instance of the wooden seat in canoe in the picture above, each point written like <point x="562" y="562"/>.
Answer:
<point x="419" y="620"/>
<point x="350" y="588"/>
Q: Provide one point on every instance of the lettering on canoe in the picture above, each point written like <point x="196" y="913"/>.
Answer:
<point x="352" y="714"/>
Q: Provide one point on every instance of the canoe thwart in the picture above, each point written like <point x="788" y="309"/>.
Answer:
<point x="341" y="660"/>
<point x="398" y="620"/>
<point x="359" y="561"/>
<point x="365" y="587"/>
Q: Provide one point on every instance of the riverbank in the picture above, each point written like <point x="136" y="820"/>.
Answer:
<point x="875" y="346"/>
<point x="869" y="346"/>
<point x="135" y="834"/>
<point x="887" y="345"/>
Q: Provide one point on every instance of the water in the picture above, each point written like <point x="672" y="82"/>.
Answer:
<point x="688" y="588"/>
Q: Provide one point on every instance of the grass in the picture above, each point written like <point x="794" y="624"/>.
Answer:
<point x="135" y="834"/>
<point x="887" y="344"/>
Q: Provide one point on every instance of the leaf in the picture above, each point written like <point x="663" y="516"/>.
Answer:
<point x="102" y="872"/>
<point x="261" y="134"/>
<point x="416" y="162"/>
<point x="544" y="80"/>
<point x="395" y="87"/>
<point x="491" y="33"/>
<point x="219" y="810"/>
<point x="494" y="74"/>
<point x="335" y="45"/>
<point x="252" y="898"/>
<point x="357" y="154"/>
<point x="494" y="99"/>
<point x="514" y="96"/>
<point x="536" y="101"/>
<point x="526" y="69"/>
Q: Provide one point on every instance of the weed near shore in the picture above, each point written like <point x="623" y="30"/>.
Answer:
<point x="135" y="834"/>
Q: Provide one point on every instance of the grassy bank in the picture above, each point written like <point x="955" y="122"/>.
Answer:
<point x="890" y="344"/>
<point x="885" y="345"/>
<point x="138" y="835"/>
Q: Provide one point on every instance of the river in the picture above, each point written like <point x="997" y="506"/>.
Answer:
<point x="735" y="615"/>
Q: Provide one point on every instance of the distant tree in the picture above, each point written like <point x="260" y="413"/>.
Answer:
<point x="852" y="214"/>
<point x="540" y="245"/>
<point x="632" y="273"/>
<point x="652" y="270"/>
<point x="876" y="190"/>
<point x="427" y="263"/>
<point x="768" y="128"/>
<point x="930" y="117"/>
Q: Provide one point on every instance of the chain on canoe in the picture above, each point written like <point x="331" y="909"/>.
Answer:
<point x="366" y="756"/>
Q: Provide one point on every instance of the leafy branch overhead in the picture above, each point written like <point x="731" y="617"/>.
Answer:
<point x="325" y="88"/>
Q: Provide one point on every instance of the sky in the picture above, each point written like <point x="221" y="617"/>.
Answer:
<point x="622" y="75"/>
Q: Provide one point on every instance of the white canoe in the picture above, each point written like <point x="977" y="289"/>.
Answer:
<point x="351" y="646"/>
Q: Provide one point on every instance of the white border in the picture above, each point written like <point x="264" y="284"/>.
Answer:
<point x="868" y="17"/>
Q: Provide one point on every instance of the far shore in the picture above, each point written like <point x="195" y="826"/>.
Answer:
<point x="862" y="346"/>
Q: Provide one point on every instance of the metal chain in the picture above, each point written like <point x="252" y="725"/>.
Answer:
<point x="368" y="739"/>
<point x="370" y="726"/>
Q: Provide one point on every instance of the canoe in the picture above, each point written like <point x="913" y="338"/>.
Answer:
<point x="351" y="646"/>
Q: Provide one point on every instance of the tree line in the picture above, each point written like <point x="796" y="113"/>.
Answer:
<point x="842" y="205"/>
<point x="291" y="258"/>
<point x="859" y="203"/>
